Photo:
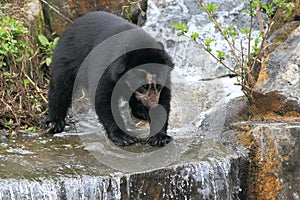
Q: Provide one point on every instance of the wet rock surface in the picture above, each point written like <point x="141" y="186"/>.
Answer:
<point x="36" y="167"/>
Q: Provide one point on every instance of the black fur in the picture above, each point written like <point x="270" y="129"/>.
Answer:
<point x="73" y="47"/>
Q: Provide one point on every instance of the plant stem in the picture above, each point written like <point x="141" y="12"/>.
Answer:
<point x="213" y="19"/>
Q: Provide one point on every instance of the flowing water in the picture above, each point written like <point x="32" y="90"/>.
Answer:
<point x="82" y="163"/>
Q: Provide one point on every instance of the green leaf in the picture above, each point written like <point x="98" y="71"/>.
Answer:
<point x="269" y="9"/>
<point x="230" y="31"/>
<point x="33" y="129"/>
<point x="48" y="61"/>
<point x="9" y="123"/>
<point x="289" y="7"/>
<point x="180" y="27"/>
<point x="209" y="41"/>
<point x="255" y="47"/>
<point x="43" y="40"/>
<point x="2" y="64"/>
<point x="245" y="31"/>
<point x="25" y="82"/>
<point x="194" y="36"/>
<point x="208" y="49"/>
<point x="212" y="7"/>
<point x="279" y="3"/>
<point x="221" y="55"/>
<point x="7" y="74"/>
<point x="249" y="12"/>
<point x="207" y="44"/>
<point x="55" y="41"/>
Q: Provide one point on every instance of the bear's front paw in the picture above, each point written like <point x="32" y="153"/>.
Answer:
<point x="52" y="127"/>
<point x="159" y="140"/>
<point x="121" y="138"/>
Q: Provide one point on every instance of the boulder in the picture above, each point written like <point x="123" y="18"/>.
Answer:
<point x="278" y="86"/>
<point x="274" y="159"/>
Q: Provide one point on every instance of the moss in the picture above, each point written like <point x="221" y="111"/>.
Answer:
<point x="282" y="17"/>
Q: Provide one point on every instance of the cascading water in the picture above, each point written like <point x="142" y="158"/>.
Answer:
<point x="194" y="166"/>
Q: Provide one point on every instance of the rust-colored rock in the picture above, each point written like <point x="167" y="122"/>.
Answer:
<point x="274" y="152"/>
<point x="264" y="184"/>
<point x="273" y="103"/>
<point x="277" y="89"/>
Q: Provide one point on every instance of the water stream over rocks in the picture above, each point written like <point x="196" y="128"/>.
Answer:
<point x="82" y="163"/>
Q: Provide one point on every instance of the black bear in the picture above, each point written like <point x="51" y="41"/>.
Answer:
<point x="124" y="56"/>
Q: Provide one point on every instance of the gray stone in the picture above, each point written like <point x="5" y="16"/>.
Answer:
<point x="283" y="71"/>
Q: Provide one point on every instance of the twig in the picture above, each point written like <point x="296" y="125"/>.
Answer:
<point x="216" y="58"/>
<point x="217" y="77"/>
<point x="233" y="49"/>
<point x="242" y="68"/>
<point x="9" y="107"/>
<point x="57" y="11"/>
<point x="263" y="42"/>
<point x="36" y="88"/>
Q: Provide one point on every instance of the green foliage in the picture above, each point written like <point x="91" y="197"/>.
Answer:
<point x="25" y="82"/>
<point x="289" y="6"/>
<point x="21" y="77"/>
<point x="47" y="47"/>
<point x="212" y="9"/>
<point x="256" y="46"/>
<point x="182" y="29"/>
<point x="230" y="32"/>
<point x="207" y="44"/>
<point x="269" y="9"/>
<point x="8" y="77"/>
<point x="12" y="46"/>
<point x="249" y="12"/>
<point x="194" y="36"/>
<point x="31" y="129"/>
<point x="245" y="31"/>
<point x="9" y="124"/>
<point x="132" y="6"/>
<point x="221" y="55"/>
